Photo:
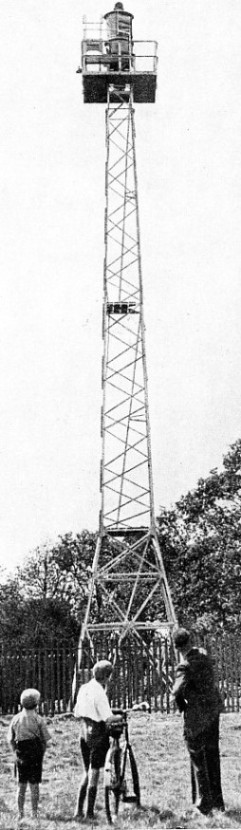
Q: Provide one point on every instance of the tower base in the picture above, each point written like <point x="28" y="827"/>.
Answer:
<point x="129" y="597"/>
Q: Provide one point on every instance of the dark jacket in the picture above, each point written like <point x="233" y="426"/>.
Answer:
<point x="196" y="692"/>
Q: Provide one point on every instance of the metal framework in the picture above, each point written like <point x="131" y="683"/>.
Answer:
<point x="128" y="571"/>
<point x="126" y="475"/>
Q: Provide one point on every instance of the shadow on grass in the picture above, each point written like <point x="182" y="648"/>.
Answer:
<point x="166" y="815"/>
<point x="234" y="815"/>
<point x="157" y="817"/>
<point x="66" y="819"/>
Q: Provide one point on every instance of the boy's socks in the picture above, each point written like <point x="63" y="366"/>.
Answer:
<point x="21" y="799"/>
<point x="91" y="801"/>
<point x="81" y="799"/>
<point x="34" y="799"/>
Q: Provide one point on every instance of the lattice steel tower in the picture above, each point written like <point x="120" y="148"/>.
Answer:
<point x="128" y="570"/>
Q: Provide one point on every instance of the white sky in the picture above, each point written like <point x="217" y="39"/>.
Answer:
<point x="51" y="259"/>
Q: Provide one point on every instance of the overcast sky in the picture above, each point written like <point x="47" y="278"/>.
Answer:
<point x="51" y="259"/>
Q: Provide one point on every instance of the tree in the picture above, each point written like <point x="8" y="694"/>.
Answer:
<point x="46" y="598"/>
<point x="11" y="610"/>
<point x="54" y="584"/>
<point x="201" y="541"/>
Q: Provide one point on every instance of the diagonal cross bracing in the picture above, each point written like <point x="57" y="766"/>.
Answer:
<point x="128" y="571"/>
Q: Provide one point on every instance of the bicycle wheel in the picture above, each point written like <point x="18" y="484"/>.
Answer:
<point x="112" y="782"/>
<point x="130" y="786"/>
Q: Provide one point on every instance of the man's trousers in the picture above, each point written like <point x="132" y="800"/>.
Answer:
<point x="205" y="760"/>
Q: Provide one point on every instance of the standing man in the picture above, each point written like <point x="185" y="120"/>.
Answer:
<point x="93" y="710"/>
<point x="197" y="696"/>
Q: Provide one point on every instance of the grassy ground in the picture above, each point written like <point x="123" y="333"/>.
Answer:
<point x="164" y="777"/>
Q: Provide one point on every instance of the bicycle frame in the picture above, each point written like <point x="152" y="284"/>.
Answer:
<point x="115" y="782"/>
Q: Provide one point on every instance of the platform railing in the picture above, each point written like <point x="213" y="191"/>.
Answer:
<point x="117" y="54"/>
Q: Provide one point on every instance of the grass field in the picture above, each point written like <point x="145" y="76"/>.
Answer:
<point x="164" y="777"/>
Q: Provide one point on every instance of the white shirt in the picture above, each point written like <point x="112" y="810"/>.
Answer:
<point x="92" y="702"/>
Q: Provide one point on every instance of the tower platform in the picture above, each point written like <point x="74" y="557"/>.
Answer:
<point x="133" y="64"/>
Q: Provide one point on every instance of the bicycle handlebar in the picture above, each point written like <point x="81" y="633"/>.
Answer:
<point x="125" y="712"/>
<point x="122" y="712"/>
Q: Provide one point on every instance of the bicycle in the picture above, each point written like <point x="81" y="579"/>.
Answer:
<point x="121" y="779"/>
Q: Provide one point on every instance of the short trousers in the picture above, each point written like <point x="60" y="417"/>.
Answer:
<point x="29" y="761"/>
<point x="95" y="746"/>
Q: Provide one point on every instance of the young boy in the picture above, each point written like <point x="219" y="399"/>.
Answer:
<point x="93" y="710"/>
<point x="28" y="736"/>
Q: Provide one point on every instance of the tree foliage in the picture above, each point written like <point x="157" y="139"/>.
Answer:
<point x="46" y="598"/>
<point x="201" y="541"/>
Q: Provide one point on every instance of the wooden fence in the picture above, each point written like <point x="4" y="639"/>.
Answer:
<point x="140" y="674"/>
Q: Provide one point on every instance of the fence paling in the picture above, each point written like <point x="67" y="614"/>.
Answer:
<point x="161" y="676"/>
<point x="58" y="679"/>
<point x="135" y="682"/>
<point x="227" y="675"/>
<point x="222" y="671"/>
<point x="141" y="677"/>
<point x="230" y="673"/>
<point x="155" y="674"/>
<point x="238" y="678"/>
<point x="129" y="677"/>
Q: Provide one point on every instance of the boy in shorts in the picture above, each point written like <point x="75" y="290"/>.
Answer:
<point x="93" y="710"/>
<point x="28" y="736"/>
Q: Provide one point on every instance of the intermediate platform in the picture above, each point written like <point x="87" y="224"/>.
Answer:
<point x="95" y="86"/>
